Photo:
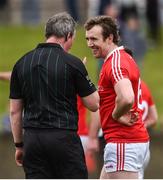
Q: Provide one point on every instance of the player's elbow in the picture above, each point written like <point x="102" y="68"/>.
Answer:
<point x="130" y="101"/>
<point x="152" y="115"/>
<point x="154" y="121"/>
<point x="94" y="107"/>
<point x="93" y="104"/>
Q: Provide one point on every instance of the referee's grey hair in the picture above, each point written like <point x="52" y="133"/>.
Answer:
<point x="60" y="25"/>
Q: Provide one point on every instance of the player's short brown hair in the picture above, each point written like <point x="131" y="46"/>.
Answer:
<point x="108" y="24"/>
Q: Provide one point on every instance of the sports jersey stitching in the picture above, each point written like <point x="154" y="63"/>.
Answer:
<point x="123" y="156"/>
<point x="39" y="73"/>
<point x="113" y="68"/>
<point x="115" y="65"/>
<point x="120" y="156"/>
<point x="31" y="76"/>
<point x="23" y="71"/>
<point x="56" y="67"/>
<point x="109" y="54"/>
<point x="117" y="156"/>
<point x="47" y="68"/>
<point x="65" y="70"/>
<point x="119" y="64"/>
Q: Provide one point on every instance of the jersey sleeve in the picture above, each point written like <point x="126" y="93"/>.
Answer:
<point x="83" y="83"/>
<point x="118" y="71"/>
<point x="146" y="94"/>
<point x="15" y="89"/>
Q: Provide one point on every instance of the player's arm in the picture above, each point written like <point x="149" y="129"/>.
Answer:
<point x="5" y="75"/>
<point x="152" y="117"/>
<point x="124" y="98"/>
<point x="91" y="101"/>
<point x="94" y="126"/>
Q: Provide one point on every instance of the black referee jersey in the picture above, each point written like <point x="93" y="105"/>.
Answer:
<point x="48" y="80"/>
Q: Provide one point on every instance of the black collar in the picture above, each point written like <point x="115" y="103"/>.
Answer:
<point x="44" y="45"/>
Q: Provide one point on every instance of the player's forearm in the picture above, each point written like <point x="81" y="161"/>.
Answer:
<point x="152" y="117"/>
<point x="93" y="144"/>
<point x="124" y="98"/>
<point x="94" y="124"/>
<point x="92" y="101"/>
<point x="122" y="106"/>
<point x="149" y="122"/>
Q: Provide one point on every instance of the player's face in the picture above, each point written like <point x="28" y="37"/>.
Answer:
<point x="96" y="42"/>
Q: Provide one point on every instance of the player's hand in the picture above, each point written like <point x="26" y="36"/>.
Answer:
<point x="84" y="60"/>
<point x="19" y="156"/>
<point x="93" y="144"/>
<point x="129" y="119"/>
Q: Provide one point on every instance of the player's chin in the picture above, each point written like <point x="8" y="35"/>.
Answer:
<point x="96" y="55"/>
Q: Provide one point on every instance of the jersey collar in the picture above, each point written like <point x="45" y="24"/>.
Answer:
<point x="49" y="45"/>
<point x="109" y="54"/>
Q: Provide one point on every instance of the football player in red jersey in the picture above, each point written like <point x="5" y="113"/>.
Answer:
<point x="149" y="108"/>
<point x="149" y="117"/>
<point x="120" y="102"/>
<point x="83" y="130"/>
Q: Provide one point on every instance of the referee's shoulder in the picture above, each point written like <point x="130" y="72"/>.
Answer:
<point x="23" y="57"/>
<point x="73" y="59"/>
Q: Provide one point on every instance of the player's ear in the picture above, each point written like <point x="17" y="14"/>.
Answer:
<point x="111" y="37"/>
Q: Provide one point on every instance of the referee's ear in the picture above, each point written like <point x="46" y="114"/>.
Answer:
<point x="69" y="35"/>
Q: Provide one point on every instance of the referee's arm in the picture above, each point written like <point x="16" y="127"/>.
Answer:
<point x="16" y="110"/>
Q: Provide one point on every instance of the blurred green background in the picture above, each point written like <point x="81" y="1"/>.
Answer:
<point x="15" y="41"/>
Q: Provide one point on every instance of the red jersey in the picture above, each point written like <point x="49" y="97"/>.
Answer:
<point x="82" y="122"/>
<point x="147" y="99"/>
<point x="117" y="66"/>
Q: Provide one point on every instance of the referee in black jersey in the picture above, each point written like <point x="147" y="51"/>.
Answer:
<point x="43" y="102"/>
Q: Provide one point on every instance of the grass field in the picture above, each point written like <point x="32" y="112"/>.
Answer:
<point x="15" y="41"/>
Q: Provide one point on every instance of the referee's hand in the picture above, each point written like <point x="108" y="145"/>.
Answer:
<point x="19" y="156"/>
<point x="84" y="60"/>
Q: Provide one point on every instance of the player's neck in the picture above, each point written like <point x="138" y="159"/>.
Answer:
<point x="110" y="50"/>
